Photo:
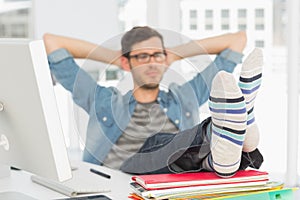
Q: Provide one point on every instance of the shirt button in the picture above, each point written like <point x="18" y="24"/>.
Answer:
<point x="187" y="114"/>
<point x="165" y="110"/>
<point x="104" y="119"/>
<point x="176" y="121"/>
<point x="158" y="98"/>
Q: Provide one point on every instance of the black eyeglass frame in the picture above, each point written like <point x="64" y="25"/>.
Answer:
<point x="154" y="55"/>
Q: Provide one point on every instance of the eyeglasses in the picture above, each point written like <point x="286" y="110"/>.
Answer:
<point x="145" y="57"/>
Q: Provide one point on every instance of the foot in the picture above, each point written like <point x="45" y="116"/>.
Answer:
<point x="249" y="82"/>
<point x="229" y="117"/>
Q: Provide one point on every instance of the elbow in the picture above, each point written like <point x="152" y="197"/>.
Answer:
<point x="50" y="43"/>
<point x="47" y="37"/>
<point x="239" y="42"/>
<point x="242" y="37"/>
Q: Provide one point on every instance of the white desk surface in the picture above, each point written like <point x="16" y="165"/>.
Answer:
<point x="19" y="181"/>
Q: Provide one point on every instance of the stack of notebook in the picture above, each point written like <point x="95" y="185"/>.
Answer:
<point x="206" y="185"/>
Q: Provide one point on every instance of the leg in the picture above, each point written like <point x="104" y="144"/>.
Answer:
<point x="171" y="153"/>
<point x="229" y="116"/>
<point x="249" y="82"/>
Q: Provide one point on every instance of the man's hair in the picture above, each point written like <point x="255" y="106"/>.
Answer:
<point x="138" y="34"/>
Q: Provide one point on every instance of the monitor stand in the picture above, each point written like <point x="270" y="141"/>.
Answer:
<point x="11" y="195"/>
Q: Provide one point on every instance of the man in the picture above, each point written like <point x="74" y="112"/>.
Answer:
<point x="120" y="125"/>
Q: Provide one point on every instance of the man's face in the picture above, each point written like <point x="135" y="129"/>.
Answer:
<point x="148" y="63"/>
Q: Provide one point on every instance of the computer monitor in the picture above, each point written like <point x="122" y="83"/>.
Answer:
<point x="31" y="136"/>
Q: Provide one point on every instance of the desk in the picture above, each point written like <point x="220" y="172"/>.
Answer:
<point x="119" y="183"/>
<point x="20" y="181"/>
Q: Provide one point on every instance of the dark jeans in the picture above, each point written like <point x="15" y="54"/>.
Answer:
<point x="181" y="152"/>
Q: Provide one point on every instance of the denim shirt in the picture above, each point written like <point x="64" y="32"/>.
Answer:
<point x="110" y="111"/>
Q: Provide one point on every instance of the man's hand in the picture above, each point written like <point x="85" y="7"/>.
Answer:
<point x="172" y="56"/>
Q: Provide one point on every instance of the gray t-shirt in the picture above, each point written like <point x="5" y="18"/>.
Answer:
<point x="147" y="119"/>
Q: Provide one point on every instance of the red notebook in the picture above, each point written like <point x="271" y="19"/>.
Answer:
<point x="162" y="181"/>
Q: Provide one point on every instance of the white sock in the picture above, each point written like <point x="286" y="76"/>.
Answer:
<point x="249" y="82"/>
<point x="229" y="117"/>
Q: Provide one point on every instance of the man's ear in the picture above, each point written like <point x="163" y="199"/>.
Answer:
<point x="125" y="63"/>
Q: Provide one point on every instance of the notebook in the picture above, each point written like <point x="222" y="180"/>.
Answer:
<point x="201" y="191"/>
<point x="157" y="181"/>
<point x="83" y="182"/>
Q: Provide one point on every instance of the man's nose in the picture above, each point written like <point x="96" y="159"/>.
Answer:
<point x="152" y="59"/>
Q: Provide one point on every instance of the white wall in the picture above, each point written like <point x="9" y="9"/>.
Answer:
<point x="92" y="20"/>
<point x="164" y="14"/>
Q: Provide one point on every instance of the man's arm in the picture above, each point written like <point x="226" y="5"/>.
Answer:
<point x="213" y="45"/>
<point x="81" y="49"/>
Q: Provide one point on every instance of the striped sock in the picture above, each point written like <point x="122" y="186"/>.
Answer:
<point x="229" y="116"/>
<point x="249" y="82"/>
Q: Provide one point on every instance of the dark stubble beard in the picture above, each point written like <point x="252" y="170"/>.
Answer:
<point x="150" y="86"/>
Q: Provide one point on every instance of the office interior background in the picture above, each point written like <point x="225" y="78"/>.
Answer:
<point x="102" y="21"/>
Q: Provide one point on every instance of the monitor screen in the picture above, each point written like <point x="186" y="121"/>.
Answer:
<point x="31" y="136"/>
